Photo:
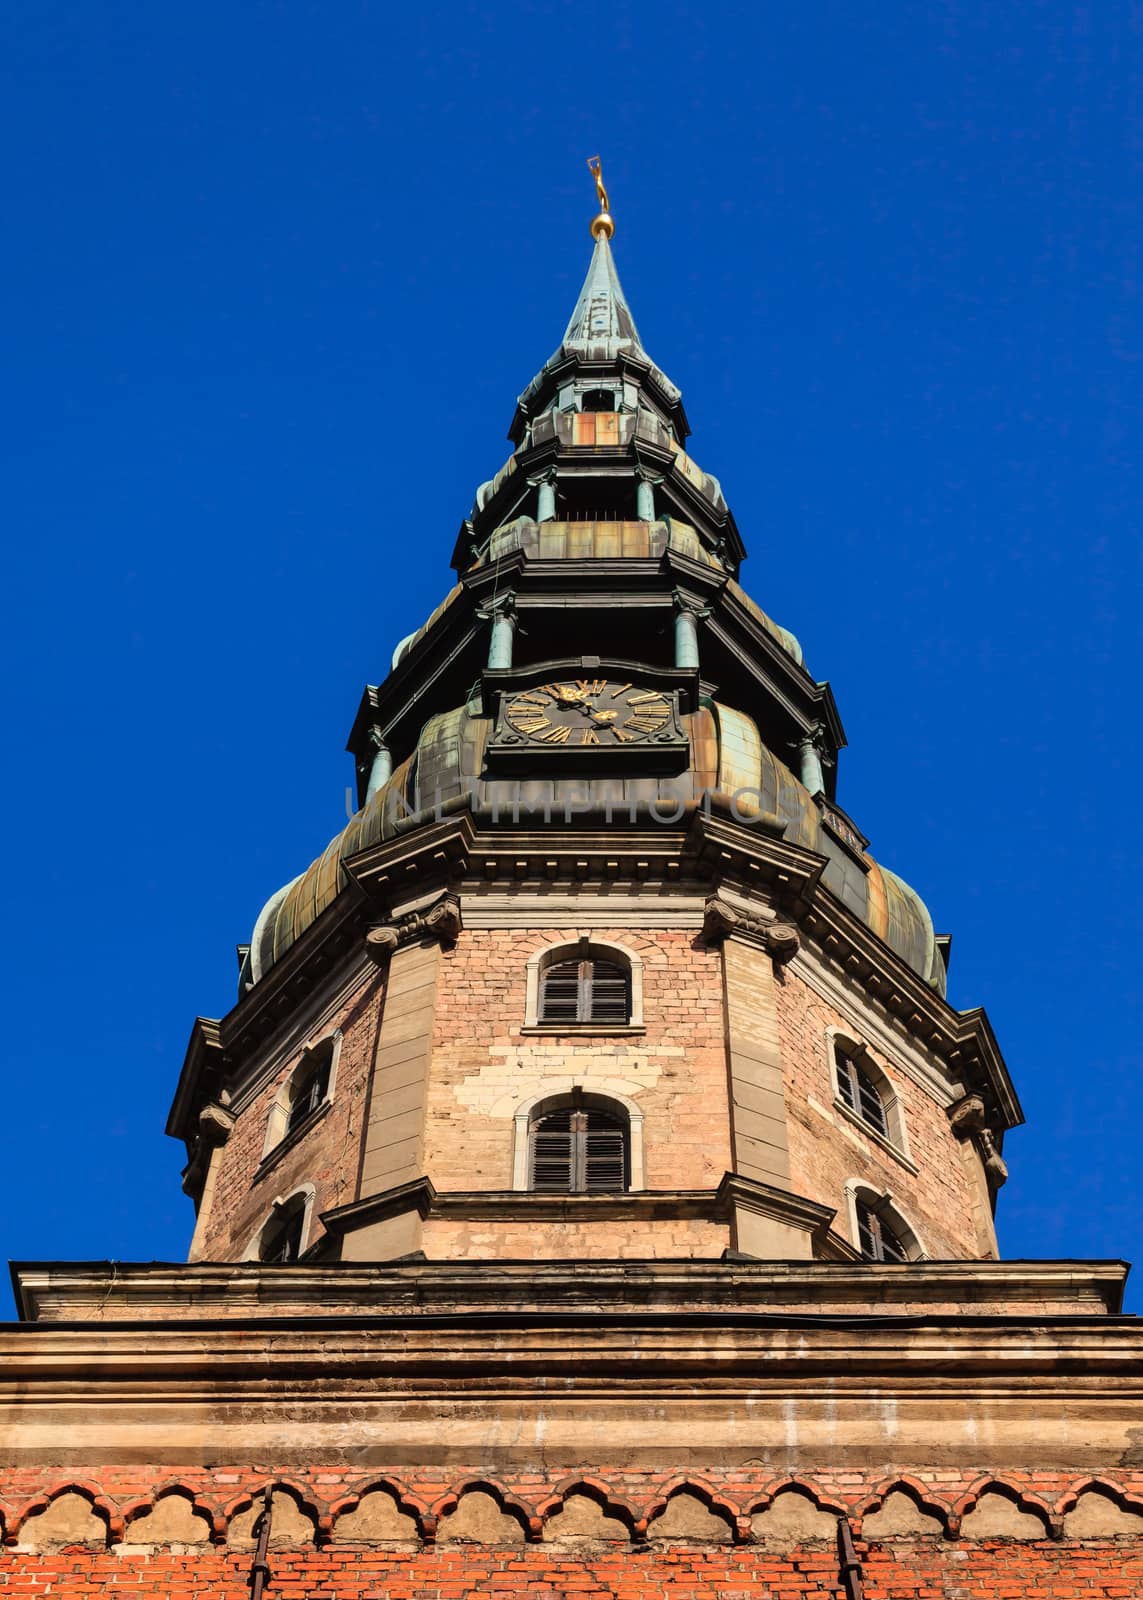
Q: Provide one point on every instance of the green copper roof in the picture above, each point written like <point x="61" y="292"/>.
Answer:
<point x="601" y="327"/>
<point x="728" y="758"/>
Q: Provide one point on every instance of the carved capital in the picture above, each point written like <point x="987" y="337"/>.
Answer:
<point x="692" y="608"/>
<point x="780" y="940"/>
<point x="969" y="1121"/>
<point x="499" y="605"/>
<point x="440" y="921"/>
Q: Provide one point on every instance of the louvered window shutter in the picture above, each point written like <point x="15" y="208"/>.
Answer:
<point x="610" y="997"/>
<point x="561" y="995"/>
<point x="552" y="1153"/>
<point x="860" y="1093"/>
<point x="579" y="1152"/>
<point x="586" y="991"/>
<point x="604" y="1154"/>
<point x="876" y="1240"/>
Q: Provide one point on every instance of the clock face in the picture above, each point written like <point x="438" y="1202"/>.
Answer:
<point x="580" y="712"/>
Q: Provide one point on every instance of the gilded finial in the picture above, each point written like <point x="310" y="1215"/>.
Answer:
<point x="602" y="226"/>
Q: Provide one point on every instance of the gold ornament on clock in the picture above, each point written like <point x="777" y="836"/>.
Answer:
<point x="588" y="712"/>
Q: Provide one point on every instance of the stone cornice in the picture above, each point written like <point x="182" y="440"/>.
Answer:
<point x="514" y="1387"/>
<point x="104" y="1291"/>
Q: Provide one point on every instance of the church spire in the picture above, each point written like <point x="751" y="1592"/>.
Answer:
<point x="601" y="341"/>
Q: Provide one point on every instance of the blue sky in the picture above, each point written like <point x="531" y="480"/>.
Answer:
<point x="274" y="275"/>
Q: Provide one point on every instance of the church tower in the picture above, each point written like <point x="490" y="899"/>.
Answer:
<point x="594" y="1185"/>
<point x="600" y="969"/>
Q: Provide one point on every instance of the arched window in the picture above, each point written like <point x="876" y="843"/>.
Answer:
<point x="580" y="1148"/>
<point x="876" y="1238"/>
<point x="282" y="1237"/>
<point x="302" y="1095"/>
<point x="598" y="400"/>
<point x="592" y="990"/>
<point x="309" y="1085"/>
<point x="589" y="983"/>
<point x="878" y="1227"/>
<point x="857" y="1090"/>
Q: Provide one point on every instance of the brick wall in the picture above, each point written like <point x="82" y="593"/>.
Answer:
<point x="327" y="1155"/>
<point x="827" y="1147"/>
<point x="612" y="1535"/>
<point x="485" y="1066"/>
<point x="448" y="1240"/>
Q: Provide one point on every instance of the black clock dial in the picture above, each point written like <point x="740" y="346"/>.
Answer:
<point x="588" y="711"/>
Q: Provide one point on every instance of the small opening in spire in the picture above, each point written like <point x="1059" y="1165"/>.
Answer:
<point x="599" y="400"/>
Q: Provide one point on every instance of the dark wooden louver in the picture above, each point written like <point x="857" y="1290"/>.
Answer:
<point x="860" y="1094"/>
<point x="579" y="1152"/>
<point x="576" y="992"/>
<point x="876" y="1239"/>
<point x="282" y="1239"/>
<point x="310" y="1089"/>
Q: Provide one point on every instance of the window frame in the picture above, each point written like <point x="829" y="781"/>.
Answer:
<point x="298" y="1201"/>
<point x="282" y="1129"/>
<point x="579" y="1108"/>
<point x="586" y="993"/>
<point x="559" y="1092"/>
<point x="894" y="1138"/>
<point x="584" y="948"/>
<point x="881" y="1205"/>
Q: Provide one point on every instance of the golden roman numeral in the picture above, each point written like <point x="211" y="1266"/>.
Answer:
<point x="646" y="723"/>
<point x="556" y="736"/>
<point x="626" y="738"/>
<point x="531" y="724"/>
<point x="589" y="736"/>
<point x="619" y="689"/>
<point x="643" y="699"/>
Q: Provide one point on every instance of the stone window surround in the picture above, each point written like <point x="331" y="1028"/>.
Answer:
<point x="883" y="1204"/>
<point x="582" y="949"/>
<point x="277" y="1138"/>
<point x="253" y="1246"/>
<point x="897" y="1141"/>
<point x="552" y="1097"/>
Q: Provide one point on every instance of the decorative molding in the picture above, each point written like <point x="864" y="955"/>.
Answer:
<point x="969" y="1121"/>
<point x="442" y="921"/>
<point x="721" y="920"/>
<point x="1088" y="1293"/>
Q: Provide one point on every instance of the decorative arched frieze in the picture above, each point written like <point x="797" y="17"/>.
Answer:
<point x="688" y="1507"/>
<point x="492" y="1515"/>
<point x="1096" y="1508"/>
<point x="901" y="1507"/>
<point x="793" y="1511"/>
<point x="73" y="1513"/>
<point x="378" y="1511"/>
<point x="585" y="1509"/>
<point x="171" y="1515"/>
<point x="994" y="1508"/>
<point x="297" y="1517"/>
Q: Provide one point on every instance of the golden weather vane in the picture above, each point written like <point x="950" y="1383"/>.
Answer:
<point x="602" y="225"/>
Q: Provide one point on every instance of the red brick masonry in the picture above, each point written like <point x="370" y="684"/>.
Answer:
<point x="1058" y="1547"/>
